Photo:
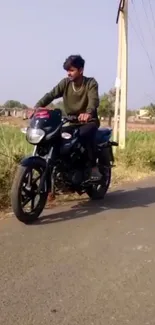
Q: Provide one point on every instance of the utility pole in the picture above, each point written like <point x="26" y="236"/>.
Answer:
<point x="122" y="19"/>
<point x="118" y="81"/>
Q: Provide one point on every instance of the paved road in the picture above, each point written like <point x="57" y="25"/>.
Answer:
<point x="88" y="264"/>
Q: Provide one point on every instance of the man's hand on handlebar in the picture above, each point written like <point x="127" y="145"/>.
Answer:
<point x="84" y="117"/>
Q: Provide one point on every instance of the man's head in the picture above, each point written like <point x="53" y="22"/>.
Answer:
<point x="74" y="65"/>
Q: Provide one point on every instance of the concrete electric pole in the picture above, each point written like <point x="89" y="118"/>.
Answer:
<point x="118" y="81"/>
<point x="122" y="73"/>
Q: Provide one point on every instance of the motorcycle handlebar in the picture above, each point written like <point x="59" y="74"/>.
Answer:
<point x="69" y="118"/>
<point x="74" y="119"/>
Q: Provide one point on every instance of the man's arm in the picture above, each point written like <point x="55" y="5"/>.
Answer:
<point x="93" y="97"/>
<point x="55" y="93"/>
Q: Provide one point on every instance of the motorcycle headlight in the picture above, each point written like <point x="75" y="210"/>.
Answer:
<point x="66" y="135"/>
<point x="34" y="136"/>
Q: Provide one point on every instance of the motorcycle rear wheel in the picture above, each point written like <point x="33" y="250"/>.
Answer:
<point x="97" y="192"/>
<point x="24" y="190"/>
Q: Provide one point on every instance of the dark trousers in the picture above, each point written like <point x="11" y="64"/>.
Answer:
<point x="87" y="134"/>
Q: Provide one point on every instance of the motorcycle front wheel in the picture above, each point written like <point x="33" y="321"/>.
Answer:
<point x="27" y="202"/>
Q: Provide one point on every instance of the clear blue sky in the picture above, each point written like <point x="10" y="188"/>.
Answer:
<point x="37" y="35"/>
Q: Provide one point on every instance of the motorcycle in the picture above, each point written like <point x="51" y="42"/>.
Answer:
<point x="59" y="164"/>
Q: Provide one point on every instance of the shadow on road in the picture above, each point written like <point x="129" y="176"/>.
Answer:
<point x="120" y="199"/>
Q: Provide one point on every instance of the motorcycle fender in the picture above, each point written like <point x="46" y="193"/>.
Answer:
<point x="40" y="162"/>
<point x="31" y="160"/>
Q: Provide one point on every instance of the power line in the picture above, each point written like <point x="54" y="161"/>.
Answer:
<point x="148" y="20"/>
<point x="141" y="38"/>
<point x="147" y="54"/>
<point x="143" y="45"/>
<point x="138" y="22"/>
<point x="153" y="18"/>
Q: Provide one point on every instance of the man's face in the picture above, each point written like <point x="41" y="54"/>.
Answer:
<point x="74" y="73"/>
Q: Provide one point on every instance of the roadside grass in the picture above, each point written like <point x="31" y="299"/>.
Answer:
<point x="13" y="147"/>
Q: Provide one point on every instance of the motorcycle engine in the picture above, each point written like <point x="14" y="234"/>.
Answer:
<point x="66" y="180"/>
<point x="73" y="170"/>
<point x="76" y="177"/>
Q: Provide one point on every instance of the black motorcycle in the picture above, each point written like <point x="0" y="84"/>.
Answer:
<point x="59" y="164"/>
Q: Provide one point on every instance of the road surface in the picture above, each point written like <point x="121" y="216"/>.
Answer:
<point x="86" y="264"/>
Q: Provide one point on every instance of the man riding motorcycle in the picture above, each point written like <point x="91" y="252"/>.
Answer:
<point x="81" y="99"/>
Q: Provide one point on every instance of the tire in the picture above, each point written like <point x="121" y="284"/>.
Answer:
<point x="99" y="193"/>
<point x="16" y="196"/>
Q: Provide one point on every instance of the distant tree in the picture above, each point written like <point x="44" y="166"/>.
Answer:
<point x="23" y="106"/>
<point x="11" y="104"/>
<point x="107" y="105"/>
<point x="151" y="110"/>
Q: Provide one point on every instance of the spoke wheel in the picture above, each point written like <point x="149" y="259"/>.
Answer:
<point x="27" y="202"/>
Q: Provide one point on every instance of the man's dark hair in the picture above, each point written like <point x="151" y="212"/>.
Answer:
<point x="75" y="61"/>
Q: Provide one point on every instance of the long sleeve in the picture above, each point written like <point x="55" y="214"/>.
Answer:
<point x="93" y="97"/>
<point x="55" y="93"/>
